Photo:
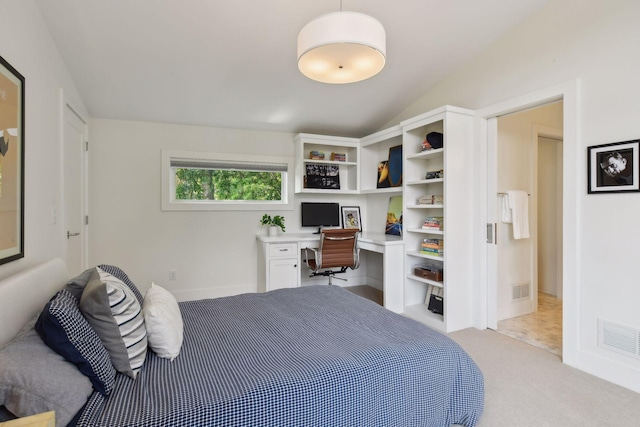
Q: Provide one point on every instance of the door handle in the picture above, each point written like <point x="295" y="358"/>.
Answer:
<point x="69" y="234"/>
<point x="492" y="233"/>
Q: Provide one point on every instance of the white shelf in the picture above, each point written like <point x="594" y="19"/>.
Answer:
<point x="425" y="206"/>
<point x="425" y="231"/>
<point x="421" y="313"/>
<point x="426" y="181"/>
<point x="423" y="280"/>
<point x="326" y="191"/>
<point x="421" y="255"/>
<point x="388" y="190"/>
<point x="426" y="154"/>
<point x="329" y="162"/>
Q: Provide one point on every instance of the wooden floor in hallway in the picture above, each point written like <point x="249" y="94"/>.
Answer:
<point x="367" y="292"/>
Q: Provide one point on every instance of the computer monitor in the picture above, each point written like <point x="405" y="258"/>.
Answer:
<point x="320" y="215"/>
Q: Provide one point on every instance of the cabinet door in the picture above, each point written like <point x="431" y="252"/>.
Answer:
<point x="283" y="273"/>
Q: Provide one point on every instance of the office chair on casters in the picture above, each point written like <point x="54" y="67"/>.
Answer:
<point x="338" y="249"/>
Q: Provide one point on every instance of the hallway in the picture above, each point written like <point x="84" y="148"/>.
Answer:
<point x="542" y="329"/>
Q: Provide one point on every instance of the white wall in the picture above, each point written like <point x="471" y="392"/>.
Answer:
<point x="597" y="43"/>
<point x="28" y="47"/>
<point x="212" y="252"/>
<point x="549" y="195"/>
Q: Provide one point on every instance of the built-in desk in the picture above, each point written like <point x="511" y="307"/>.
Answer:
<point x="280" y="264"/>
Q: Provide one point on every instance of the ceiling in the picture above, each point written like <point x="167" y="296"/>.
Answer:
<point x="233" y="64"/>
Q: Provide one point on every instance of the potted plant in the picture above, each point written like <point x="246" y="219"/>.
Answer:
<point x="273" y="223"/>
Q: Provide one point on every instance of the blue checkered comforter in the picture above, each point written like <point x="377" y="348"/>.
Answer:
<point x="311" y="356"/>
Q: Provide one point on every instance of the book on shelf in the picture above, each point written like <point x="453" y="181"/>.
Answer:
<point x="432" y="252"/>
<point x="434" y="174"/>
<point x="433" y="245"/>
<point x="316" y="155"/>
<point x="339" y="157"/>
<point x="433" y="223"/>
<point x="431" y="199"/>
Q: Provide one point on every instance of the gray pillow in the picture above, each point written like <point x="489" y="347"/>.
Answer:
<point x="115" y="314"/>
<point x="76" y="285"/>
<point x="35" y="379"/>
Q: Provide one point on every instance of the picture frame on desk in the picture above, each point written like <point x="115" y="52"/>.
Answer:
<point x="351" y="217"/>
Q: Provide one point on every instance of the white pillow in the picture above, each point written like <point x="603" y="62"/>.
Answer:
<point x="163" y="320"/>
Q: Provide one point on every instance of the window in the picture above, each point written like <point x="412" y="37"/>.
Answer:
<point x="213" y="181"/>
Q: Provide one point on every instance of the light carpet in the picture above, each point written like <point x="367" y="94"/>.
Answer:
<point x="526" y="386"/>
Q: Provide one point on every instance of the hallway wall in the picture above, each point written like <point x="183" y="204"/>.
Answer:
<point x="549" y="195"/>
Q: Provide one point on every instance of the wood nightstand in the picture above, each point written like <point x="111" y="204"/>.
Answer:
<point x="46" y="419"/>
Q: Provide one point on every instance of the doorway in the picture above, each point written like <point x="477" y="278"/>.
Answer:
<point x="529" y="271"/>
<point x="487" y="126"/>
<point x="75" y="190"/>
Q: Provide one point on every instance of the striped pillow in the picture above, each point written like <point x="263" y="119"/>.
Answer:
<point x="115" y="314"/>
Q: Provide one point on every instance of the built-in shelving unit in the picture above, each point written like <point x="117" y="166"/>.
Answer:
<point x="455" y="161"/>
<point x="359" y="175"/>
<point x="348" y="170"/>
<point x="374" y="150"/>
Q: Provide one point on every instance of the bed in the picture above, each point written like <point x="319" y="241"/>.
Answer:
<point x="310" y="356"/>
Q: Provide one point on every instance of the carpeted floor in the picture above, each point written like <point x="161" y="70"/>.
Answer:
<point x="526" y="386"/>
<point x="526" y="383"/>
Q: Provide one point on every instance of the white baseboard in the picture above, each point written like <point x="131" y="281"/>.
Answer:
<point x="217" y="292"/>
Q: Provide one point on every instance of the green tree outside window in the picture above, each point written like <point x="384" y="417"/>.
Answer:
<point x="227" y="184"/>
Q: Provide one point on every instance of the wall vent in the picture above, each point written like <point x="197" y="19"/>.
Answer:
<point x="520" y="291"/>
<point x="619" y="338"/>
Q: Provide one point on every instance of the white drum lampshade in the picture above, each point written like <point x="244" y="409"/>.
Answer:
<point x="342" y="47"/>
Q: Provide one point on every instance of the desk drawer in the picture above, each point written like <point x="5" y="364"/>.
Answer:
<point x="283" y="250"/>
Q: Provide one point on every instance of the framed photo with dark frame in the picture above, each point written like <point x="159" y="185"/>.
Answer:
<point x="351" y="217"/>
<point x="614" y="168"/>
<point x="11" y="163"/>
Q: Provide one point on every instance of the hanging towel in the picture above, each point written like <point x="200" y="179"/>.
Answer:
<point x="507" y="218"/>
<point x="519" y="203"/>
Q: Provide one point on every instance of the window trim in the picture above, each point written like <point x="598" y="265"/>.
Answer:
<point x="169" y="202"/>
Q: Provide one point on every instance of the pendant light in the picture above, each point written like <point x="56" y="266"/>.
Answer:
<point x="342" y="47"/>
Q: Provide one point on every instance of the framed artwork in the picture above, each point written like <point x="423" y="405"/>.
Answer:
<point x="323" y="176"/>
<point x="351" y="217"/>
<point x="395" y="166"/>
<point x="394" y="216"/>
<point x="613" y="168"/>
<point x="11" y="163"/>
<point x="383" y="175"/>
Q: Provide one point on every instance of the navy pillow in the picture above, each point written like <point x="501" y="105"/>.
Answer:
<point x="121" y="275"/>
<point x="64" y="329"/>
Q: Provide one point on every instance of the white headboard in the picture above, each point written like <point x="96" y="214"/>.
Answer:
<point x="25" y="293"/>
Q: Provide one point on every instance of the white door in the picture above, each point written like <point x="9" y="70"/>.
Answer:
<point x="75" y="191"/>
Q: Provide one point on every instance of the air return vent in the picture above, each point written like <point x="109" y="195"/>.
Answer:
<point x="520" y="291"/>
<point x="619" y="338"/>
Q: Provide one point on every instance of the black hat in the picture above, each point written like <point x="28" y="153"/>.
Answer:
<point x="435" y="139"/>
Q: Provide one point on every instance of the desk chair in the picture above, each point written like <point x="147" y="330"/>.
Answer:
<point x="338" y="249"/>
